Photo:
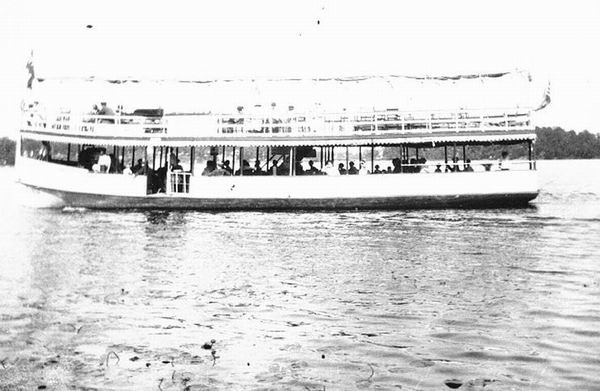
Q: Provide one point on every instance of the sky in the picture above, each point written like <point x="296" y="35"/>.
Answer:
<point x="226" y="39"/>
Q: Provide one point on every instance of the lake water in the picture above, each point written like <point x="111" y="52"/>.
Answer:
<point x="504" y="299"/>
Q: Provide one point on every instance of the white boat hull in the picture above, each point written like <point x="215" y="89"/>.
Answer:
<point x="77" y="187"/>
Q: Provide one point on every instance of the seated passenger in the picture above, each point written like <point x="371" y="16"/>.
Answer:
<point x="389" y="170"/>
<point x="456" y="168"/>
<point x="104" y="161"/>
<point x="127" y="170"/>
<point x="139" y="167"/>
<point x="210" y="167"/>
<point x="377" y="170"/>
<point x="341" y="169"/>
<point x="219" y="171"/>
<point x="352" y="170"/>
<point x="257" y="169"/>
<point x="397" y="163"/>
<point x="312" y="170"/>
<point x="422" y="165"/>
<point x="330" y="169"/>
<point x="176" y="166"/>
<point x="283" y="168"/>
<point x="299" y="168"/>
<point x="246" y="169"/>
<point x="413" y="165"/>
<point x="226" y="167"/>
<point x="504" y="164"/>
<point x="363" y="168"/>
<point x="468" y="167"/>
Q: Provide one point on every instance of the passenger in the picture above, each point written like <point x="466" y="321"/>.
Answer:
<point x="438" y="168"/>
<point x="377" y="170"/>
<point x="363" y="168"/>
<point x="397" y="163"/>
<point x="95" y="110"/>
<point x="210" y="167"/>
<point x="284" y="168"/>
<point x="227" y="167"/>
<point x="45" y="152"/>
<point x="468" y="167"/>
<point x="352" y="170"/>
<point x="246" y="169"/>
<point x="389" y="170"/>
<point x="176" y="166"/>
<point x="330" y="169"/>
<point x="299" y="168"/>
<point x="139" y="167"/>
<point x="105" y="110"/>
<point x="422" y="165"/>
<point x="341" y="169"/>
<point x="274" y="168"/>
<point x="104" y="161"/>
<point x="413" y="165"/>
<point x="456" y="168"/>
<point x="219" y="171"/>
<point x="257" y="169"/>
<point x="312" y="170"/>
<point x="127" y="170"/>
<point x="504" y="163"/>
<point x="404" y="165"/>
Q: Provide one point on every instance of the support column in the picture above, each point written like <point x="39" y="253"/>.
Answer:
<point x="241" y="161"/>
<point x="347" y="159"/>
<point x="530" y="148"/>
<point x="192" y="159"/>
<point x="168" y="171"/>
<point x="268" y="157"/>
<point x="233" y="162"/>
<point x="321" y="156"/>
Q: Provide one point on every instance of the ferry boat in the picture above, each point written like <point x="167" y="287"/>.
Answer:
<point x="277" y="155"/>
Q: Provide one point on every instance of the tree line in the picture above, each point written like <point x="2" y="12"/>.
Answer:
<point x="552" y="143"/>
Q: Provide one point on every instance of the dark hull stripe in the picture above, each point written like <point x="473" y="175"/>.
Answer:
<point x="95" y="201"/>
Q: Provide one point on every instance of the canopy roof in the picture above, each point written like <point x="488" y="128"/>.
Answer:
<point x="507" y="90"/>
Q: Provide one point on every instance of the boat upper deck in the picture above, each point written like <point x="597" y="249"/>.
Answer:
<point x="291" y="128"/>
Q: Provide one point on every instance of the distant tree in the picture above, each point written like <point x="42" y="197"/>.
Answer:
<point x="556" y="143"/>
<point x="7" y="151"/>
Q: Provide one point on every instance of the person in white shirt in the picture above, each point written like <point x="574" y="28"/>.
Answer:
<point x="104" y="162"/>
<point x="504" y="163"/>
<point x="363" y="168"/>
<point x="329" y="169"/>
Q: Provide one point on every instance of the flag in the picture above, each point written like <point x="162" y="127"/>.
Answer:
<point x="546" y="100"/>
<point x="31" y="71"/>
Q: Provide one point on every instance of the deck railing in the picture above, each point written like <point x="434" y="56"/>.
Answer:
<point x="373" y="122"/>
<point x="289" y="124"/>
<point x="68" y="123"/>
<point x="180" y="182"/>
<point x="461" y="166"/>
